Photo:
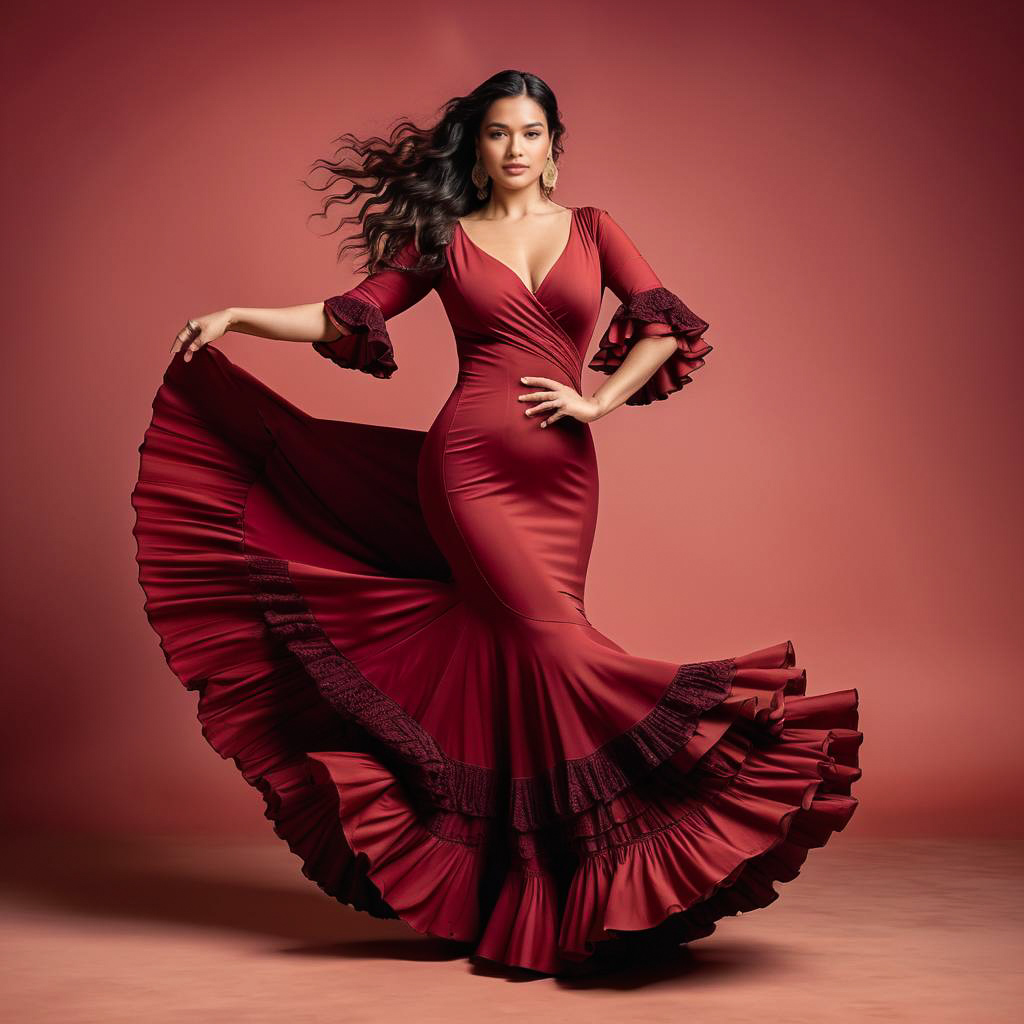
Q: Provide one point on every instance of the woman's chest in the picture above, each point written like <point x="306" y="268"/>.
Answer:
<point x="482" y="296"/>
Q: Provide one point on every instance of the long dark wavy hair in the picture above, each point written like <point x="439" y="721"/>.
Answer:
<point x="416" y="184"/>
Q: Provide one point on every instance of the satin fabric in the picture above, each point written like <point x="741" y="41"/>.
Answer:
<point x="388" y="633"/>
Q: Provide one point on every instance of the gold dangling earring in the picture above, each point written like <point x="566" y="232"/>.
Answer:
<point x="480" y="179"/>
<point x="549" y="176"/>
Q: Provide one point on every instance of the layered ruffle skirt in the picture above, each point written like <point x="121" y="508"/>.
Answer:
<point x="295" y="587"/>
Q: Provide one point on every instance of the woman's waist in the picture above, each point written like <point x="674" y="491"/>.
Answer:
<point x="490" y="365"/>
<point x="492" y="378"/>
<point x="484" y="416"/>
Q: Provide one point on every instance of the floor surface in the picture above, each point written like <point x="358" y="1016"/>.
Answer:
<point x="157" y="930"/>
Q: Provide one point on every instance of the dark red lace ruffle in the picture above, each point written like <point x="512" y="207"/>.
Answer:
<point x="453" y="785"/>
<point x="368" y="348"/>
<point x="580" y="783"/>
<point x="654" y="306"/>
<point x="572" y="787"/>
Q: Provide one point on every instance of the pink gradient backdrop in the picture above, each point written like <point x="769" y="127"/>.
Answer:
<point x="836" y="187"/>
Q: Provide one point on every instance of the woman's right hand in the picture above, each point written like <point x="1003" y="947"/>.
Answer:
<point x="200" y="331"/>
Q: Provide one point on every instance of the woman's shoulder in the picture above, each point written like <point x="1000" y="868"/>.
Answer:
<point x="590" y="218"/>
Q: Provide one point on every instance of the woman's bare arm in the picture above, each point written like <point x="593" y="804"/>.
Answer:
<point x="640" y="364"/>
<point x="308" y="323"/>
<point x="637" y="368"/>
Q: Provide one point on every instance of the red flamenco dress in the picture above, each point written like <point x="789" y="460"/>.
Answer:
<point x="387" y="632"/>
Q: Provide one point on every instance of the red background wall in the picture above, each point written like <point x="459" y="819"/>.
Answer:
<point x="836" y="187"/>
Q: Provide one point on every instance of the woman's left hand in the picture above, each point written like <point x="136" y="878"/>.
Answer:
<point x="564" y="400"/>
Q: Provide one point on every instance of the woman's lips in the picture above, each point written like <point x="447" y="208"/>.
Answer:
<point x="515" y="170"/>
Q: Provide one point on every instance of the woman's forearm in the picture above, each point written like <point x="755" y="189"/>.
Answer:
<point x="307" y="322"/>
<point x="640" y="364"/>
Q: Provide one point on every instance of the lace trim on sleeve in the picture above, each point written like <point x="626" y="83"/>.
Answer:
<point x="368" y="348"/>
<point x="661" y="307"/>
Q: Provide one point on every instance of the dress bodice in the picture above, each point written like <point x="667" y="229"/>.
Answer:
<point x="488" y="304"/>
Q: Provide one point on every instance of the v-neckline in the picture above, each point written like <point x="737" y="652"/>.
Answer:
<point x="502" y="263"/>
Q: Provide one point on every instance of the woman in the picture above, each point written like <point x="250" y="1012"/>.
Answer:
<point x="387" y="627"/>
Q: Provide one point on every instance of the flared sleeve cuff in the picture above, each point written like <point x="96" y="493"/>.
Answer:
<point x="645" y="313"/>
<point x="368" y="348"/>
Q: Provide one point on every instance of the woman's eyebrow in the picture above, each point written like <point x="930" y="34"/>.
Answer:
<point x="499" y="124"/>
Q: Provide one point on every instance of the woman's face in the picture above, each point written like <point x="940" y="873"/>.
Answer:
<point x="514" y="131"/>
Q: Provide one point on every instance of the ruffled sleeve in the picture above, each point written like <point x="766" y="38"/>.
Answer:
<point x="368" y="345"/>
<point x="654" y="311"/>
<point x="646" y="308"/>
<point x="362" y="312"/>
